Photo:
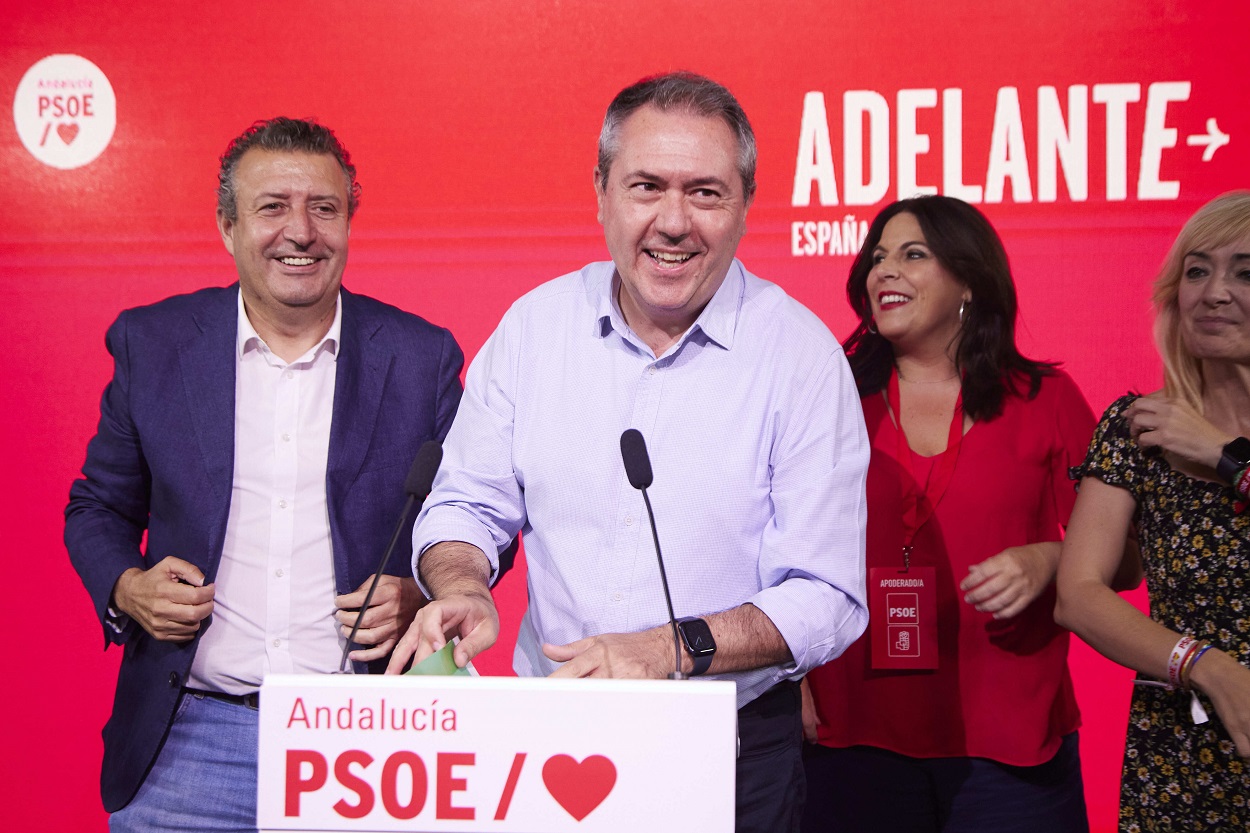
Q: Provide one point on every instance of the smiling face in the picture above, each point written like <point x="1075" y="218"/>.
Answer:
<point x="1213" y="300"/>
<point x="915" y="301"/>
<point x="673" y="209"/>
<point x="289" y="240"/>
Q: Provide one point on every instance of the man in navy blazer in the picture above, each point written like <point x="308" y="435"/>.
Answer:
<point x="260" y="435"/>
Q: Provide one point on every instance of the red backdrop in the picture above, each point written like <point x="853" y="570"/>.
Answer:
<point x="473" y="125"/>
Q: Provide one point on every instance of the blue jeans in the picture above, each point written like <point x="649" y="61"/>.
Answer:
<point x="205" y="775"/>
<point x="867" y="790"/>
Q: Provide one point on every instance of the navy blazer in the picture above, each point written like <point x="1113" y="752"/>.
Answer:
<point x="162" y="461"/>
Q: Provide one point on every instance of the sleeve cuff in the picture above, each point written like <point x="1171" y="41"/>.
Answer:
<point x="117" y="626"/>
<point x="444" y="523"/>
<point x="784" y="606"/>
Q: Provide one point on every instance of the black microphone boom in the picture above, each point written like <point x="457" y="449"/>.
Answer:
<point x="417" y="484"/>
<point x="638" y="470"/>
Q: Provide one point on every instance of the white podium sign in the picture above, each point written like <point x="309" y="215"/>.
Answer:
<point x="357" y="753"/>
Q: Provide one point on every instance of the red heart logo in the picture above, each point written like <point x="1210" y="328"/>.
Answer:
<point x="67" y="132"/>
<point x="579" y="788"/>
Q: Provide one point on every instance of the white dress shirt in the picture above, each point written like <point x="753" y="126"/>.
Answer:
<point x="274" y="602"/>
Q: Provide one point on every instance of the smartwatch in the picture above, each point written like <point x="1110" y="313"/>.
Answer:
<point x="697" y="637"/>
<point x="1236" y="457"/>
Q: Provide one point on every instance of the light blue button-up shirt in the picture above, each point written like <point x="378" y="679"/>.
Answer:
<point x="756" y="439"/>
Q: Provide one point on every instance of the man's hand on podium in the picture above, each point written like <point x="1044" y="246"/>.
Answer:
<point x="456" y="575"/>
<point x="471" y="616"/>
<point x="647" y="655"/>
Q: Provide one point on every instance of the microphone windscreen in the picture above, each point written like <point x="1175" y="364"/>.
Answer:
<point x="637" y="463"/>
<point x="420" y="478"/>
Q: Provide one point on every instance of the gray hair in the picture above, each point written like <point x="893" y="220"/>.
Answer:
<point x="686" y="91"/>
<point x="283" y="135"/>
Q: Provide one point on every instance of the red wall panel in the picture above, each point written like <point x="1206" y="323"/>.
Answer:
<point x="473" y="125"/>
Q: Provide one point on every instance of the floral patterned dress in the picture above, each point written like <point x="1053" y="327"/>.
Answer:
<point x="1195" y="549"/>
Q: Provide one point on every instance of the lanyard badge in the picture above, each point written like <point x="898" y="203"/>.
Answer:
<point x="902" y="617"/>
<point x="902" y="603"/>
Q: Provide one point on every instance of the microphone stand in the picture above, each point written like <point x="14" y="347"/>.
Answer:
<point x="377" y="577"/>
<point x="668" y="599"/>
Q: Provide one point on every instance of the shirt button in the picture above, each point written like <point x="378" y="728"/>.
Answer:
<point x="616" y="597"/>
<point x="282" y="504"/>
<point x="629" y="520"/>
<point x="651" y="370"/>
<point x="278" y="572"/>
<point x="286" y="438"/>
<point x="277" y="643"/>
<point x="288" y="375"/>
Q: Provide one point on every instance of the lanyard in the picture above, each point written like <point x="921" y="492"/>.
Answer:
<point x="918" y="507"/>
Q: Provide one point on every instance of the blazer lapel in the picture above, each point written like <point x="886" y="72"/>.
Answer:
<point x="360" y="379"/>
<point x="208" y="376"/>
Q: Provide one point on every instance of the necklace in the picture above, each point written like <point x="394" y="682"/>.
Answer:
<point x="927" y="381"/>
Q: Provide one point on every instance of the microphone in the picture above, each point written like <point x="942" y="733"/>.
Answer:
<point x="417" y="485"/>
<point x="638" y="471"/>
<point x="637" y="462"/>
<point x="420" y="480"/>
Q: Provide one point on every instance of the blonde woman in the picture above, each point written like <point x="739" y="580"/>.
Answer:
<point x="1175" y="465"/>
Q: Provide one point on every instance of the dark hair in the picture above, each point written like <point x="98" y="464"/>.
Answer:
<point x="966" y="245"/>
<point x="679" y="91"/>
<point x="285" y="136"/>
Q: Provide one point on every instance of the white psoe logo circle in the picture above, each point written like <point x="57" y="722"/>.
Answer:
<point x="65" y="111"/>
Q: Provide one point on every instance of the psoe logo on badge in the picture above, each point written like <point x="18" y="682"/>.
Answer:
<point x="902" y="608"/>
<point x="65" y="111"/>
<point x="904" y="641"/>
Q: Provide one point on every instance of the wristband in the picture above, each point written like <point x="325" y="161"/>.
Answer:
<point x="1179" y="652"/>
<point x="1193" y="658"/>
<point x="1183" y="674"/>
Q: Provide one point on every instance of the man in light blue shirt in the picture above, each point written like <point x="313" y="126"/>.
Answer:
<point x="755" y="433"/>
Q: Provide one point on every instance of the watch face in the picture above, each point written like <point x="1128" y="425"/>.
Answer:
<point x="1239" y="450"/>
<point x="697" y="636"/>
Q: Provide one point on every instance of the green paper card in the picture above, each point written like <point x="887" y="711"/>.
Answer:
<point x="440" y="664"/>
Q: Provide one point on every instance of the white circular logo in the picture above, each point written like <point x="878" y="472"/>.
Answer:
<point x="65" y="111"/>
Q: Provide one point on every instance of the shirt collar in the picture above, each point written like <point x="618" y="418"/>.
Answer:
<point x="248" y="339"/>
<point x="718" y="321"/>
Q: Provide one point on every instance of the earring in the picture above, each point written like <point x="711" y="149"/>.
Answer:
<point x="962" y="304"/>
<point x="871" y="328"/>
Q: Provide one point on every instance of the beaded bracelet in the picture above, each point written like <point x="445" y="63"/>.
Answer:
<point x="1179" y="652"/>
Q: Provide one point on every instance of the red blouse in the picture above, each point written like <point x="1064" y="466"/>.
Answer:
<point x="1001" y="689"/>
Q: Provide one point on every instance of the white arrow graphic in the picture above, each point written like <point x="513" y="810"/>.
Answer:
<point x="1214" y="139"/>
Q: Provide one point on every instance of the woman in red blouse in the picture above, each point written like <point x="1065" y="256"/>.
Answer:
<point x="955" y="711"/>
